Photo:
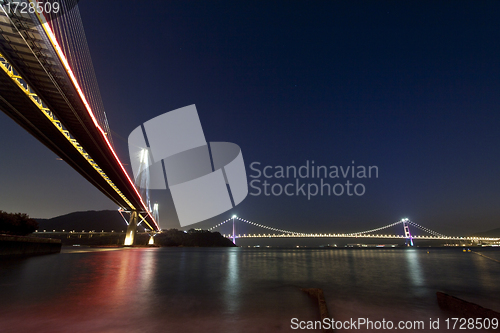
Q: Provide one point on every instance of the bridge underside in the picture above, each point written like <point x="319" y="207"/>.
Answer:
<point x="27" y="48"/>
<point x="21" y="109"/>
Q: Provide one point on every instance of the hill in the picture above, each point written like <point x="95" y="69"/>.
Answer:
<point x="489" y="233"/>
<point x="106" y="220"/>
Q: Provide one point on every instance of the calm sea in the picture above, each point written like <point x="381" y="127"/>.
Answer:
<point x="235" y="289"/>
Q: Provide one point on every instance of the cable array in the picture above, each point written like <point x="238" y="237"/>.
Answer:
<point x="432" y="232"/>
<point x="70" y="33"/>
<point x="257" y="225"/>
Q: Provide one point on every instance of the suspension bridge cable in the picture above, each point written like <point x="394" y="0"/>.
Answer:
<point x="376" y="229"/>
<point x="347" y="234"/>
<point x="426" y="229"/>
<point x="257" y="225"/>
<point x="270" y="228"/>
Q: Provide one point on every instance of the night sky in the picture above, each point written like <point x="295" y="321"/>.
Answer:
<point x="412" y="87"/>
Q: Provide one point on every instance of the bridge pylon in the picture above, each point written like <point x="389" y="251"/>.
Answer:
<point x="409" y="238"/>
<point x="132" y="228"/>
<point x="234" y="231"/>
<point x="151" y="240"/>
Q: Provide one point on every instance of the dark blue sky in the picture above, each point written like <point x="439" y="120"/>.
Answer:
<point x="411" y="87"/>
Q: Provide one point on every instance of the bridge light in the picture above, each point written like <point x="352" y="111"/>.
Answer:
<point x="234" y="216"/>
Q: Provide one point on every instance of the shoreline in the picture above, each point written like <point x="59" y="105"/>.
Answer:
<point x="12" y="245"/>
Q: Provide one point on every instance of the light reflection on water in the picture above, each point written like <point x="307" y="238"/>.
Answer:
<point x="415" y="271"/>
<point x="232" y="289"/>
<point x="231" y="285"/>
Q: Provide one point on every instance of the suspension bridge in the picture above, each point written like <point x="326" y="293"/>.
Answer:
<point x="404" y="225"/>
<point x="48" y="86"/>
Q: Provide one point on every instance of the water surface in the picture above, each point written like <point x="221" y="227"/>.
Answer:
<point x="234" y="289"/>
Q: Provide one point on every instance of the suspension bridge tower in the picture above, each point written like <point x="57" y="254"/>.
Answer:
<point x="234" y="230"/>
<point x="409" y="239"/>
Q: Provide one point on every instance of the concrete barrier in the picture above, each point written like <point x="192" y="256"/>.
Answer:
<point x="24" y="245"/>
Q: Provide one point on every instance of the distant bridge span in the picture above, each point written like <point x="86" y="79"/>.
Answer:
<point x="368" y="234"/>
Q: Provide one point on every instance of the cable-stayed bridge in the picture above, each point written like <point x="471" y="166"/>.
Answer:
<point x="403" y="224"/>
<point x="48" y="86"/>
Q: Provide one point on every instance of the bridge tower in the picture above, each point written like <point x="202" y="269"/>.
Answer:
<point x="156" y="215"/>
<point x="234" y="234"/>
<point x="131" y="229"/>
<point x="409" y="239"/>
